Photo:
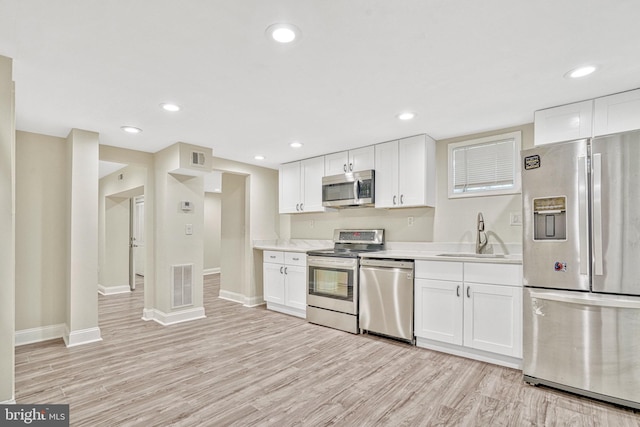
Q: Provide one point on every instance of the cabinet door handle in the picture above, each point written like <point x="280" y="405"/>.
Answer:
<point x="402" y="199"/>
<point x="298" y="207"/>
<point x="394" y="200"/>
<point x="296" y="259"/>
<point x="468" y="290"/>
<point x="301" y="207"/>
<point x="344" y="167"/>
<point x="351" y="167"/>
<point x="272" y="256"/>
<point x="285" y="270"/>
<point x="281" y="269"/>
<point x="458" y="291"/>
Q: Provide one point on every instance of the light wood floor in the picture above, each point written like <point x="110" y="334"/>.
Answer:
<point x="249" y="366"/>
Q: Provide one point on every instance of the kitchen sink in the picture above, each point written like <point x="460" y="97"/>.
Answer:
<point x="471" y="255"/>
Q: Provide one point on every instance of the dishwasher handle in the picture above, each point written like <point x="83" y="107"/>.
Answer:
<point x="386" y="263"/>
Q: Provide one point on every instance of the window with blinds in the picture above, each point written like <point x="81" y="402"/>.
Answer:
<point x="485" y="166"/>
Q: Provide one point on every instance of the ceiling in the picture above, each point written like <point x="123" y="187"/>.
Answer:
<point x="462" y="66"/>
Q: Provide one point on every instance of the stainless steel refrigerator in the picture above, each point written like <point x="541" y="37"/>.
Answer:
<point x="581" y="264"/>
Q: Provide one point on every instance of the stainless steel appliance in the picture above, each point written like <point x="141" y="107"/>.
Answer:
<point x="349" y="190"/>
<point x="332" y="297"/>
<point x="581" y="266"/>
<point x="386" y="297"/>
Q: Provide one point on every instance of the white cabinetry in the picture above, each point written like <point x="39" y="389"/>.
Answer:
<point x="301" y="186"/>
<point x="285" y="282"/>
<point x="405" y="172"/>
<point x="563" y="123"/>
<point x="617" y="113"/>
<point x="470" y="309"/>
<point x="349" y="161"/>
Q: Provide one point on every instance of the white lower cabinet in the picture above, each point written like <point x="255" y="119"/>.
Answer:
<point x="285" y="282"/>
<point x="471" y="309"/>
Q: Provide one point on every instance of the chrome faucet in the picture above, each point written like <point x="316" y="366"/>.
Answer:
<point x="481" y="237"/>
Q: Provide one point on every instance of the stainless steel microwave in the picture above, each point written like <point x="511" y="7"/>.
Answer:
<point x="349" y="190"/>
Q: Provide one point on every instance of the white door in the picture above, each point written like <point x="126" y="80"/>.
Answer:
<point x="412" y="173"/>
<point x="290" y="187"/>
<point x="136" y="239"/>
<point x="312" y="173"/>
<point x="139" y="235"/>
<point x="386" y="161"/>
<point x="438" y="310"/>
<point x="296" y="287"/>
<point x="273" y="279"/>
<point x="362" y="159"/>
<point x="493" y="318"/>
<point x="336" y="163"/>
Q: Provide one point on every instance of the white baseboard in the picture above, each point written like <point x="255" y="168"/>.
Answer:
<point x="9" y="402"/>
<point x="240" y="298"/>
<point x="208" y="271"/>
<point x="43" y="333"/>
<point x="81" y="336"/>
<point x="111" y="290"/>
<point x="166" y="319"/>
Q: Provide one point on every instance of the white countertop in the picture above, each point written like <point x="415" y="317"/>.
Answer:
<point x="404" y="250"/>
<point x="436" y="256"/>
<point x="292" y="245"/>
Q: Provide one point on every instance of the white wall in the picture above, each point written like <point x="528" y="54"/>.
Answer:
<point x="173" y="245"/>
<point x="233" y="271"/>
<point x="455" y="219"/>
<point x="7" y="231"/>
<point x="263" y="222"/>
<point x="82" y="238"/>
<point x="452" y="220"/>
<point x="212" y="230"/>
<point x="41" y="228"/>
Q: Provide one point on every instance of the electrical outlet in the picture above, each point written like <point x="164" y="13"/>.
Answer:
<point x="188" y="229"/>
<point x="515" y="218"/>
<point x="410" y="221"/>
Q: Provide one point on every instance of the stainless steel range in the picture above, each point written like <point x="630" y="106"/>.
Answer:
<point x="332" y="294"/>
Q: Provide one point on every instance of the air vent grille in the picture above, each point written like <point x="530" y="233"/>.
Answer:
<point x="182" y="285"/>
<point x="197" y="158"/>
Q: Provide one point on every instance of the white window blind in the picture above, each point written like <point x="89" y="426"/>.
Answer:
<point x="485" y="166"/>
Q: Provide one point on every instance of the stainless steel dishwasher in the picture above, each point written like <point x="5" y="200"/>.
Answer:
<point x="386" y="298"/>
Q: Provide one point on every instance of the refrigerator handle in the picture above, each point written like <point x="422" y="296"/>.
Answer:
<point x="597" y="214"/>
<point x="582" y="212"/>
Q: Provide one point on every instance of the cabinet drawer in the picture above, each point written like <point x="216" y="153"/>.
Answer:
<point x="497" y="274"/>
<point x="295" y="258"/>
<point x="439" y="270"/>
<point x="273" y="256"/>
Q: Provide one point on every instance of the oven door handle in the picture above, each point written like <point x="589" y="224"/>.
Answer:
<point x="350" y="263"/>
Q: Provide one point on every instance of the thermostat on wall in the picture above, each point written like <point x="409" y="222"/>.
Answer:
<point x="186" y="206"/>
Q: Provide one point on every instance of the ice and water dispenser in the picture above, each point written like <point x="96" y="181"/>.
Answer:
<point x="550" y="218"/>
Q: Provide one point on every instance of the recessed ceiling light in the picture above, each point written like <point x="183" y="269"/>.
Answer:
<point x="406" y="115"/>
<point x="258" y="157"/>
<point x="295" y="144"/>
<point x="580" y="72"/>
<point x="283" y="33"/>
<point x="170" y="107"/>
<point x="131" y="129"/>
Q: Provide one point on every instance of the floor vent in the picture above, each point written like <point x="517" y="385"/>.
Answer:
<point x="182" y="285"/>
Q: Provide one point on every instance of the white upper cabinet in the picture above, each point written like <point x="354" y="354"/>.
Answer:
<point x="563" y="123"/>
<point x="349" y="161"/>
<point x="617" y="113"/>
<point x="301" y="186"/>
<point x="405" y="172"/>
